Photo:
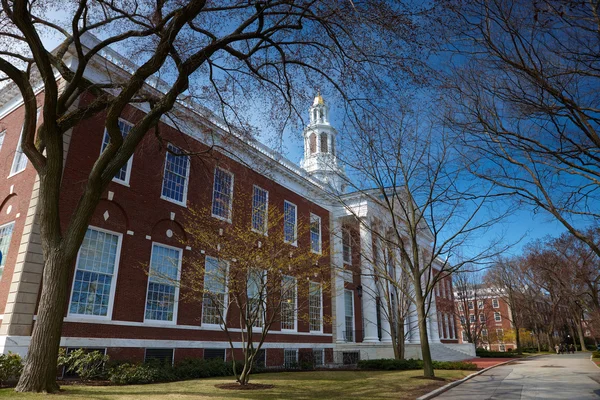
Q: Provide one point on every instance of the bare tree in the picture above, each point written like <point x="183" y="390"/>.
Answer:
<point x="471" y="295"/>
<point x="230" y="53"/>
<point x="523" y="95"/>
<point x="413" y="172"/>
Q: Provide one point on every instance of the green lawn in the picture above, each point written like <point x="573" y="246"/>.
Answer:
<point x="288" y="385"/>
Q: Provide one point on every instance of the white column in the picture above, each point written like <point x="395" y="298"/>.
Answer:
<point x="338" y="265"/>
<point x="433" y="326"/>
<point x="369" y="305"/>
<point x="452" y="331"/>
<point x="386" y="314"/>
<point x="413" y="323"/>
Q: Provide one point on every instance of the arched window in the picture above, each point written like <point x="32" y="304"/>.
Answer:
<point x="312" y="143"/>
<point x="323" y="142"/>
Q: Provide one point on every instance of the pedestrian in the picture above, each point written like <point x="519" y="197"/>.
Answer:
<point x="556" y="347"/>
<point x="572" y="348"/>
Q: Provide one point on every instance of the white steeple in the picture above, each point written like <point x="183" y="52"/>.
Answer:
<point x="320" y="159"/>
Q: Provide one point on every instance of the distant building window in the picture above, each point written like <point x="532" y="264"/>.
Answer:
<point x="349" y="316"/>
<point x="5" y="236"/>
<point x="481" y="318"/>
<point x="222" y="194"/>
<point x="124" y="173"/>
<point x="315" y="307"/>
<point x="480" y="304"/>
<point x="175" y="180"/>
<point x="313" y="143"/>
<point x="500" y="334"/>
<point x="347" y="246"/>
<point x="502" y="347"/>
<point x="484" y="333"/>
<point x="495" y="303"/>
<point x="290" y="218"/>
<point x="260" y="206"/>
<point x="460" y="308"/>
<point x="465" y="338"/>
<point x="463" y="321"/>
<point x="163" y="356"/>
<point x="290" y="358"/>
<point x="214" y="354"/>
<point x="471" y="318"/>
<point x="315" y="233"/>
<point x="470" y="305"/>
<point x="497" y="317"/>
<point x="162" y="283"/>
<point x="94" y="273"/>
<point x="215" y="291"/>
<point x="288" y="304"/>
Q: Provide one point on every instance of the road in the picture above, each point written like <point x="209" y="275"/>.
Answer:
<point x="566" y="376"/>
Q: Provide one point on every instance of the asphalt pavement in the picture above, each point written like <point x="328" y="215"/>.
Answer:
<point x="565" y="376"/>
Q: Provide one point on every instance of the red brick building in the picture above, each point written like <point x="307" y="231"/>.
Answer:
<point x="114" y="305"/>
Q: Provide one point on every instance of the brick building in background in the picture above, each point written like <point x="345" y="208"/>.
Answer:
<point x="113" y="305"/>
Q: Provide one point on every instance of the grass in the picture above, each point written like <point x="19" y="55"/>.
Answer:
<point x="288" y="385"/>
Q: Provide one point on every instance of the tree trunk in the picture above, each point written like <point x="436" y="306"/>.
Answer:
<point x="425" y="350"/>
<point x="518" y="340"/>
<point x="580" y="334"/>
<point x="39" y="373"/>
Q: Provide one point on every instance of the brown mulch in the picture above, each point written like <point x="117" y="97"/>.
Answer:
<point x="69" y="382"/>
<point x="249" y="386"/>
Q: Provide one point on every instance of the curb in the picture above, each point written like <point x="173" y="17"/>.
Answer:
<point x="592" y="361"/>
<point x="450" y="385"/>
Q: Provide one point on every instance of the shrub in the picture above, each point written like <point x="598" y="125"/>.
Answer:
<point x="398" y="365"/>
<point x="128" y="374"/>
<point x="87" y="365"/>
<point x="11" y="366"/>
<point x="596" y="354"/>
<point x="495" y="354"/>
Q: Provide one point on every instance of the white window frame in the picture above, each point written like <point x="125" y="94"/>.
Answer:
<point x="129" y="163"/>
<point x="500" y="334"/>
<point x="472" y="318"/>
<point x="284" y="350"/>
<point x="18" y="150"/>
<point x="230" y="205"/>
<point x="321" y="307"/>
<point x="502" y="347"/>
<point x="182" y="203"/>
<point x="320" y="244"/>
<point x="226" y="294"/>
<point x="495" y="303"/>
<point x="295" y="242"/>
<point x="2" y="137"/>
<point x="264" y="296"/>
<point x="322" y="351"/>
<point x="471" y="305"/>
<point x="348" y="234"/>
<point x="113" y="283"/>
<point x="176" y="294"/>
<point x="264" y="230"/>
<point x="4" y="255"/>
<point x="353" y="315"/>
<point x="497" y="317"/>
<point x="482" y="318"/>
<point x="480" y="304"/>
<point x="295" y="310"/>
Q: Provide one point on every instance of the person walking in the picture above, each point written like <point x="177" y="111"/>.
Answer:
<point x="556" y="347"/>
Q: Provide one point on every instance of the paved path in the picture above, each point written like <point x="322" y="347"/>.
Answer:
<point x="566" y="376"/>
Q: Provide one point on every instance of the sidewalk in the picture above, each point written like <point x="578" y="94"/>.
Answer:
<point x="490" y="362"/>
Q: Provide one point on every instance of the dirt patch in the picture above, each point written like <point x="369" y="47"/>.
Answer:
<point x="70" y="382"/>
<point x="249" y="386"/>
<point x="434" y="378"/>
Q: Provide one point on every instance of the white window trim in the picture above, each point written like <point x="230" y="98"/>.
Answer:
<point x="497" y="303"/>
<point x="225" y="298"/>
<point x="113" y="284"/>
<point x="129" y="162"/>
<point x="321" y="316"/>
<point x="497" y="317"/>
<point x="182" y="203"/>
<point x="230" y="195"/>
<point x="353" y="314"/>
<point x="8" y="248"/>
<point x="12" y="166"/>
<point x="347" y="232"/>
<point x="2" y="138"/>
<point x="320" y="234"/>
<point x="284" y="350"/>
<point x="172" y="358"/>
<point x="266" y="230"/>
<point x="176" y="296"/>
<point x="295" y="242"/>
<point x="295" y="305"/>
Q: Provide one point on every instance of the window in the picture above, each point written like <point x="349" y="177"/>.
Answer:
<point x="314" y="307"/>
<point x="20" y="160"/>
<point x="480" y="304"/>
<point x="319" y="357"/>
<point x="484" y="333"/>
<point x="500" y="334"/>
<point x="255" y="289"/>
<point x="470" y="305"/>
<point x="175" y="179"/>
<point x="214" y="354"/>
<point x="95" y="273"/>
<point x="2" y="134"/>
<point x="163" y="356"/>
<point x="123" y="175"/>
<point x="349" y="313"/>
<point x="290" y="227"/>
<point x="460" y="308"/>
<point x="347" y="246"/>
<point x="495" y="303"/>
<point x="260" y="358"/>
<point x="502" y="347"/>
<point x="290" y="358"/>
<point x="481" y="318"/>
<point x="288" y="303"/>
<point x="165" y="264"/>
<point x="497" y="317"/>
<point x="472" y="318"/>
<point x="215" y="291"/>
<point x="315" y="233"/>
<point x="260" y="206"/>
<point x="463" y="320"/>
<point x="5" y="236"/>
<point x="465" y="338"/>
<point x="222" y="194"/>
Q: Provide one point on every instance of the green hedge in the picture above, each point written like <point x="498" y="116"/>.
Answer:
<point x="596" y="354"/>
<point x="496" y="354"/>
<point x="387" y="364"/>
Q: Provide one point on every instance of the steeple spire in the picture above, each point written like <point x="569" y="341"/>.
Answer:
<point x="320" y="159"/>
